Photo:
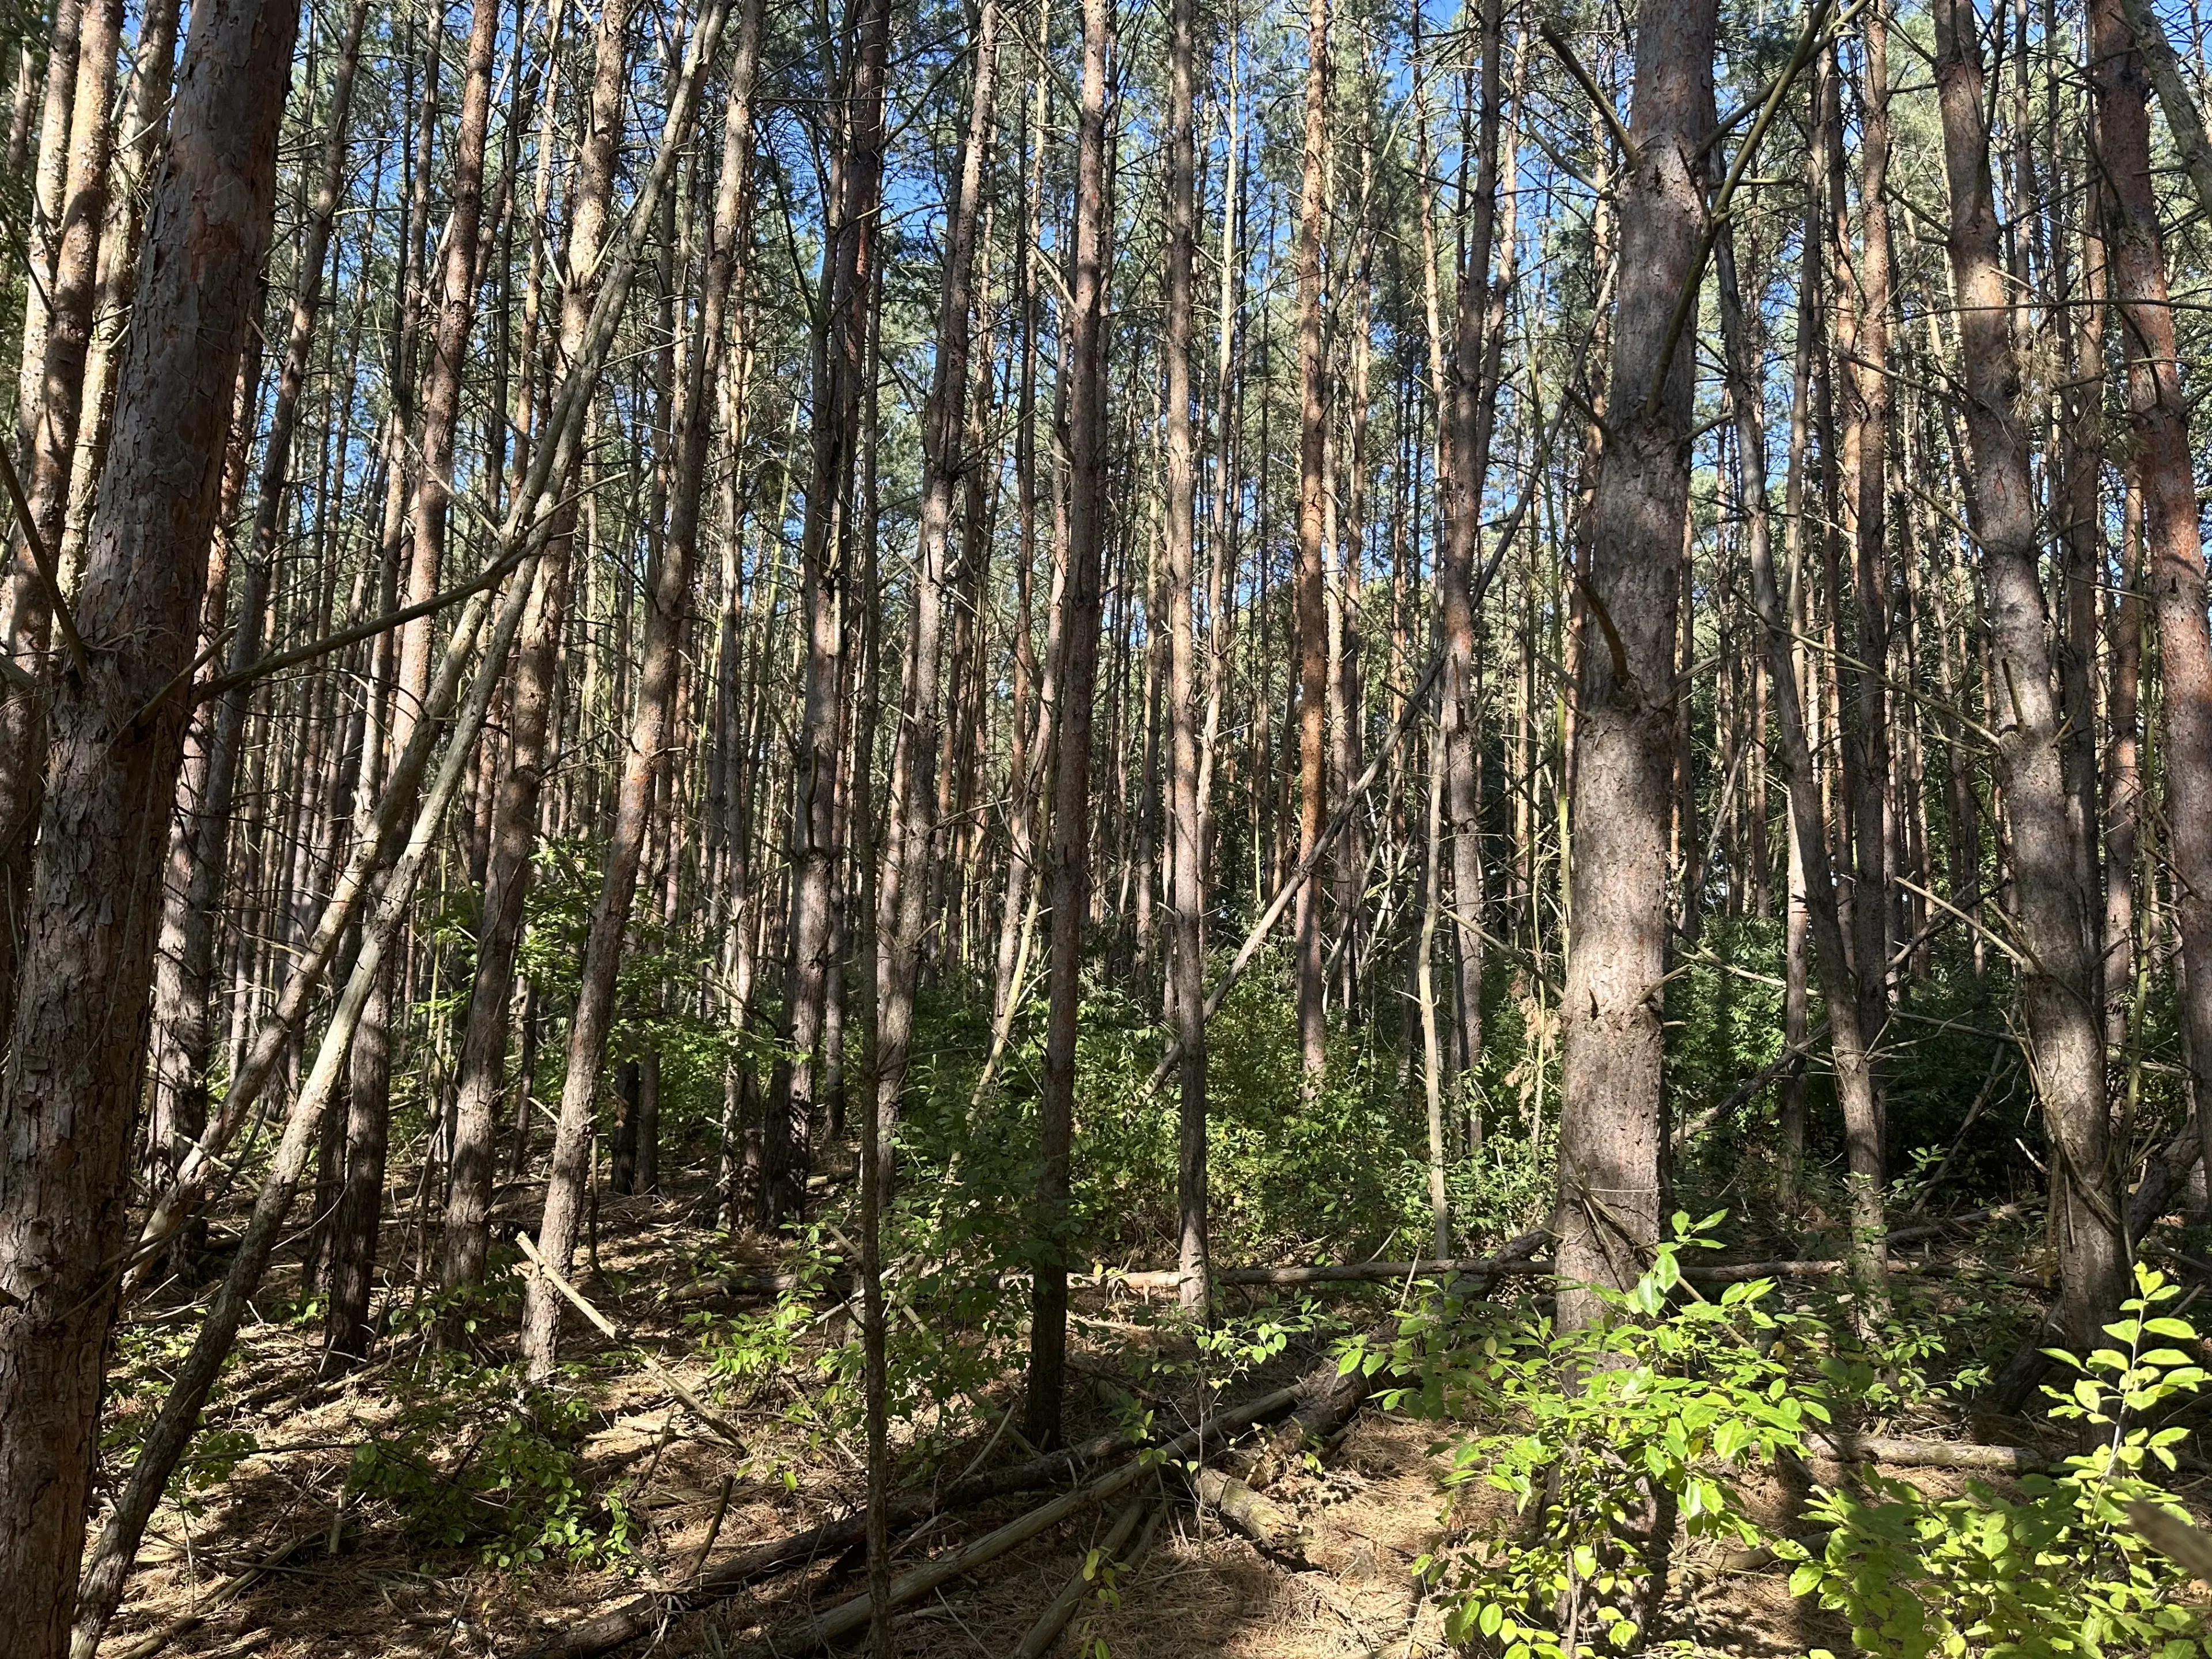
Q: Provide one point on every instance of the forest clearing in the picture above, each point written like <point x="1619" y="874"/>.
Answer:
<point x="1025" y="827"/>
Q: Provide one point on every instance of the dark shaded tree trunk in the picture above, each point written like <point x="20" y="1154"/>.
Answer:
<point x="74" y="1068"/>
<point x="2173" y="548"/>
<point x="2050" y="909"/>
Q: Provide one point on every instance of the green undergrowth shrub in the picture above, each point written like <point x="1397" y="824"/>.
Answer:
<point x="1338" y="1172"/>
<point x="474" y="1456"/>
<point x="1600" y="1438"/>
<point x="2055" y="1570"/>
<point x="1601" y="1441"/>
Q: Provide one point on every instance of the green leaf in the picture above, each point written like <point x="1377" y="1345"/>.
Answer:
<point x="1806" y="1579"/>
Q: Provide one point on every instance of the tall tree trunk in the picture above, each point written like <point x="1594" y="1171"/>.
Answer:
<point x="1839" y="986"/>
<point x="907" y="878"/>
<point x="667" y="606"/>
<point x="347" y="1332"/>
<point x="1867" y="446"/>
<point x="74" y="1067"/>
<point x="1068" y="856"/>
<point x="2158" y="411"/>
<point x="1185" y="844"/>
<point x="1313" y="493"/>
<point x="46" y="441"/>
<point x="184" y="1036"/>
<point x="2050" y="908"/>
<point x="1612" y="1132"/>
<point x="849" y="294"/>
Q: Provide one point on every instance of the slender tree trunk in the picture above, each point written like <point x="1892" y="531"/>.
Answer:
<point x="184" y="1036"/>
<point x="1186" y="844"/>
<point x="1313" y="493"/>
<point x="74" y="1066"/>
<point x="668" y="603"/>
<point x="48" y="426"/>
<point x="1839" y="984"/>
<point x="1867" y="440"/>
<point x="2057" y="983"/>
<point x="1612" y="1129"/>
<point x="1068" y="857"/>
<point x="348" y="1333"/>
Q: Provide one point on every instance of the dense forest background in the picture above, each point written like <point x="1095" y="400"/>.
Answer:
<point x="1290" y="831"/>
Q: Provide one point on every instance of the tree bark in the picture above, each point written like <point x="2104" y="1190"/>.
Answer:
<point x="1068" y="855"/>
<point x="1612" y="1129"/>
<point x="2173" y="547"/>
<point x="842" y="356"/>
<point x="1845" y="1003"/>
<point x="47" y="433"/>
<point x="1313" y="494"/>
<point x="78" y="1040"/>
<point x="2049" y="907"/>
<point x="668" y="602"/>
<point x="1186" y="843"/>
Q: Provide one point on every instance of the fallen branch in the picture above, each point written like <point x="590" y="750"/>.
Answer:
<point x="1343" y="1272"/>
<point x="226" y="1591"/>
<point x="851" y="1615"/>
<point x="668" y="1379"/>
<point x="1056" y="1617"/>
<point x="643" y="1614"/>
<point x="1905" y="1453"/>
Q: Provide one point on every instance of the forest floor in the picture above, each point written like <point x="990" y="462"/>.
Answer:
<point x="344" y="1574"/>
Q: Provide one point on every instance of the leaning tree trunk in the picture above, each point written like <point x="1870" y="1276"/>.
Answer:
<point x="669" y="597"/>
<point x="75" y="1063"/>
<point x="1612" y="1133"/>
<point x="481" y="1085"/>
<point x="2050" y="909"/>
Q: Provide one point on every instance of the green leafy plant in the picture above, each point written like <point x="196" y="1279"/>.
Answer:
<point x="2056" y="1570"/>
<point x="1611" y="1434"/>
<point x="477" y="1456"/>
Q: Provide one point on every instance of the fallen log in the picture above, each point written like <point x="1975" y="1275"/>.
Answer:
<point x="1697" y="1273"/>
<point x="852" y="1615"/>
<point x="707" y="1289"/>
<point x="641" y="1616"/>
<point x="1335" y="1273"/>
<point x="1259" y="1519"/>
<point x="1943" y="1224"/>
<point x="1329" y="1396"/>
<point x="1843" y="1447"/>
<point x="1056" y="1617"/>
